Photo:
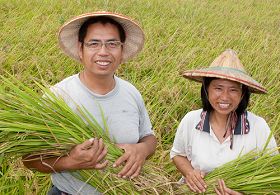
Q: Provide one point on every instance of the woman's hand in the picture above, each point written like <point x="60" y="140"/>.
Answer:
<point x="194" y="180"/>
<point x="223" y="190"/>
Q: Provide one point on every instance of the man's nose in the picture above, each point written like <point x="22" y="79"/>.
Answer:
<point x="103" y="50"/>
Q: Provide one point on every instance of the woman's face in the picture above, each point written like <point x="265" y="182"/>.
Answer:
<point x="224" y="95"/>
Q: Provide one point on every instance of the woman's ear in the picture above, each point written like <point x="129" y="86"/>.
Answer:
<point x="243" y="91"/>
<point x="243" y="94"/>
<point x="205" y="90"/>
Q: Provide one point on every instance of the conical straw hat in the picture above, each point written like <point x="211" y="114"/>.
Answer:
<point x="226" y="66"/>
<point x="68" y="34"/>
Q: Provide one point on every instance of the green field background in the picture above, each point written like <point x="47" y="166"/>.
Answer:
<point x="180" y="35"/>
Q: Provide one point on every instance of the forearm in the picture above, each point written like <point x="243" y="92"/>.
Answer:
<point x="87" y="155"/>
<point x="49" y="165"/>
<point x="149" y="144"/>
<point x="183" y="165"/>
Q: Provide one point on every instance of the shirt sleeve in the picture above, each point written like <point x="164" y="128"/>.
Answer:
<point x="264" y="135"/>
<point x="180" y="140"/>
<point x="145" y="125"/>
<point x="58" y="91"/>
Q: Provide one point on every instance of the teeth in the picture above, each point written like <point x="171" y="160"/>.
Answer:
<point x="103" y="63"/>
<point x="222" y="105"/>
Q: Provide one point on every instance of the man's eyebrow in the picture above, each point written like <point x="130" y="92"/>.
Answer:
<point x="112" y="40"/>
<point x="99" y="40"/>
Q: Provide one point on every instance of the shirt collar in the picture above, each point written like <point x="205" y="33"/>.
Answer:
<point x="242" y="127"/>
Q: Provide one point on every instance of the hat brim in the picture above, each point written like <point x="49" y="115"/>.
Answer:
<point x="226" y="73"/>
<point x="68" y="35"/>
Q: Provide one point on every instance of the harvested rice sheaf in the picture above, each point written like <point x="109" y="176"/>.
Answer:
<point x="44" y="125"/>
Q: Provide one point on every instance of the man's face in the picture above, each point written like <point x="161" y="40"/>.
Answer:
<point x="101" y="61"/>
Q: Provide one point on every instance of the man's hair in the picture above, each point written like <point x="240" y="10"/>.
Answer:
<point x="102" y="20"/>
<point x="206" y="104"/>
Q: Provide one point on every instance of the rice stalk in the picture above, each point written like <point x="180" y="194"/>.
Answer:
<point x="252" y="173"/>
<point x="34" y="125"/>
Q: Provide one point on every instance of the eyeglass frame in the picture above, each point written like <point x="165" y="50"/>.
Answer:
<point x="101" y="43"/>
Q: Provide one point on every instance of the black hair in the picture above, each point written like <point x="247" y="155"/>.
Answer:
<point x="206" y="104"/>
<point x="102" y="20"/>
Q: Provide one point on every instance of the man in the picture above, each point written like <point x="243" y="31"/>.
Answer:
<point x="101" y="41"/>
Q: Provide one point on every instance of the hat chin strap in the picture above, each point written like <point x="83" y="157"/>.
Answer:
<point x="230" y="126"/>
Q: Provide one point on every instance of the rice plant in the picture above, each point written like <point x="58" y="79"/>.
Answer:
<point x="36" y="125"/>
<point x="180" y="35"/>
<point x="252" y="173"/>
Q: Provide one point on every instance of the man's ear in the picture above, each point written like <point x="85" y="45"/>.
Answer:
<point x="122" y="55"/>
<point x="80" y="46"/>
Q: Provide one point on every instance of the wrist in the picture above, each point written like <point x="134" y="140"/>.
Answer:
<point x="62" y="163"/>
<point x="144" y="148"/>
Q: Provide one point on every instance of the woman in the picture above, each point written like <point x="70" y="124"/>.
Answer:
<point x="223" y="129"/>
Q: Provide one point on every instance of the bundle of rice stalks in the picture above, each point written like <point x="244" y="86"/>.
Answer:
<point x="15" y="179"/>
<point x="252" y="173"/>
<point x="46" y="126"/>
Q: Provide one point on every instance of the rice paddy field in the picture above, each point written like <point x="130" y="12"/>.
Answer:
<point x="180" y="35"/>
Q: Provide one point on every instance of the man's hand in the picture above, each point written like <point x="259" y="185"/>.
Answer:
<point x="194" y="180"/>
<point x="223" y="190"/>
<point x="88" y="155"/>
<point x="134" y="158"/>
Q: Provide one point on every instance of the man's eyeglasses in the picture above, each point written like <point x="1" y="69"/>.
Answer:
<point x="110" y="45"/>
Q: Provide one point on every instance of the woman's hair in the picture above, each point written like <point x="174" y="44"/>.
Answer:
<point x="102" y="20"/>
<point x="206" y="104"/>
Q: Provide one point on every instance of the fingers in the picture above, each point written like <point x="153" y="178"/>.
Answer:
<point x="195" y="181"/>
<point x="224" y="190"/>
<point x="196" y="185"/>
<point x="88" y="155"/>
<point x="201" y="182"/>
<point x="222" y="185"/>
<point x="221" y="190"/>
<point x="202" y="174"/>
<point x="217" y="191"/>
<point x="101" y="165"/>
<point x="136" y="173"/>
<point x="133" y="160"/>
<point x="229" y="191"/>
<point x="192" y="187"/>
<point x="102" y="155"/>
<point x="86" y="144"/>
<point x="130" y="169"/>
<point x="124" y="159"/>
<point x="97" y="147"/>
<point x="120" y="160"/>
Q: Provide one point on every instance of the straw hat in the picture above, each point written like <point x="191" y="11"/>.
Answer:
<point x="226" y="66"/>
<point x="68" y="34"/>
